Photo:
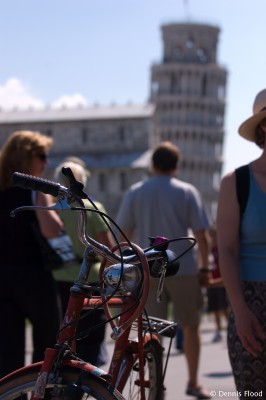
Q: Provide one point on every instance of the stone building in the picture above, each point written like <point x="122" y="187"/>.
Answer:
<point x="186" y="106"/>
<point x="113" y="141"/>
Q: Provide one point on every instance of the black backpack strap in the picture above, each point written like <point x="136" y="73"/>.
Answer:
<point x="242" y="186"/>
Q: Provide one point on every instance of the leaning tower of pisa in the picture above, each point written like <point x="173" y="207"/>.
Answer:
<point x="188" y="88"/>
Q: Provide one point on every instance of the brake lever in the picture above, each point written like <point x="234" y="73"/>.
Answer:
<point x="61" y="204"/>
<point x="160" y="286"/>
<point x="76" y="187"/>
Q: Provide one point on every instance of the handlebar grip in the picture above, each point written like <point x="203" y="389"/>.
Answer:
<point x="34" y="183"/>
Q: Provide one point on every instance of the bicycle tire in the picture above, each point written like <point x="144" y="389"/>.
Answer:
<point x="154" y="389"/>
<point x="22" y="383"/>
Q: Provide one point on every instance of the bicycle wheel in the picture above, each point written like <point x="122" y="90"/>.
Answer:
<point x="153" y="374"/>
<point x="21" y="385"/>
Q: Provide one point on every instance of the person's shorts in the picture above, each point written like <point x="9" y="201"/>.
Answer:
<point x="184" y="293"/>
<point x="217" y="299"/>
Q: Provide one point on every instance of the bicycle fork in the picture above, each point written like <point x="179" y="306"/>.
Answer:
<point x="126" y="353"/>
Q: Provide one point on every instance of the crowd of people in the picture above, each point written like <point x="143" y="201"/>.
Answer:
<point x="227" y="265"/>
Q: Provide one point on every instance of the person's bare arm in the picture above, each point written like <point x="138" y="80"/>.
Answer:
<point x="203" y="242"/>
<point x="215" y="282"/>
<point x="105" y="238"/>
<point x="128" y="233"/>
<point x="228" y="220"/>
<point x="49" y="221"/>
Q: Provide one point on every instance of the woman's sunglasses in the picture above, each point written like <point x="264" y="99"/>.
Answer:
<point x="42" y="156"/>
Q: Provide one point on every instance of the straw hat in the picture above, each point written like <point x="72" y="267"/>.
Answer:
<point x="248" y="127"/>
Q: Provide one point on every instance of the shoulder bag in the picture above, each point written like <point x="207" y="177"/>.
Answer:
<point x="58" y="252"/>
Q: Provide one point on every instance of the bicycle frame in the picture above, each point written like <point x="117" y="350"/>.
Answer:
<point x="77" y="302"/>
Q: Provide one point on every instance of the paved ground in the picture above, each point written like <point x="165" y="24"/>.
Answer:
<point x="215" y="372"/>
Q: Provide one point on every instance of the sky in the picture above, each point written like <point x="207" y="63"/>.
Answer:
<point x="86" y="52"/>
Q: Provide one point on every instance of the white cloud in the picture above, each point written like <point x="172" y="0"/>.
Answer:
<point x="70" y="101"/>
<point x="14" y="94"/>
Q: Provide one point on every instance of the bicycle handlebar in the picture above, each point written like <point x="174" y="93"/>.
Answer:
<point x="34" y="183"/>
<point x="55" y="189"/>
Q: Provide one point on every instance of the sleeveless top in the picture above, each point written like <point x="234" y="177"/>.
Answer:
<point x="252" y="252"/>
<point x="18" y="246"/>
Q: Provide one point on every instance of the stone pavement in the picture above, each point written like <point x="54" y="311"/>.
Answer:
<point x="214" y="372"/>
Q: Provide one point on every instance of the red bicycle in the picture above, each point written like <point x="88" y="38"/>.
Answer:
<point x="136" y="369"/>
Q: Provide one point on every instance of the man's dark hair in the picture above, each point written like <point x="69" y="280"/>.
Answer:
<point x="165" y="157"/>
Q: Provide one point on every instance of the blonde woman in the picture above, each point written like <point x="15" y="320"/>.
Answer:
<point x="27" y="291"/>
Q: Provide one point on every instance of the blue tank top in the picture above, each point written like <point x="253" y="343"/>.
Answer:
<point x="252" y="253"/>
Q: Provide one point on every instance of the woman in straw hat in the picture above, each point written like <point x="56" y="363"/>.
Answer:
<point x="242" y="250"/>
